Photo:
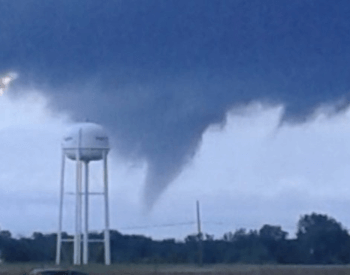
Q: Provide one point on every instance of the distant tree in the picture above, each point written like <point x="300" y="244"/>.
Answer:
<point x="37" y="236"/>
<point x="5" y="234"/>
<point x="228" y="237"/>
<point x="272" y="233"/>
<point x="192" y="248"/>
<point x="274" y="239"/>
<point x="323" y="240"/>
<point x="245" y="247"/>
<point x="320" y="240"/>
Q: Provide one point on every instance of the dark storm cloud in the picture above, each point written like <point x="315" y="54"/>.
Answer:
<point x="158" y="73"/>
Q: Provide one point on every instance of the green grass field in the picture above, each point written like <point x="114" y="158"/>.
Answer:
<point x="20" y="269"/>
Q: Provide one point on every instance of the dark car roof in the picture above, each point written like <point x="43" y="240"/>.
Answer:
<point x="55" y="271"/>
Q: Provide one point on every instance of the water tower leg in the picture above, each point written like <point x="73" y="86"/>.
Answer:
<point x="77" y="240"/>
<point x="106" y="233"/>
<point x="59" y="236"/>
<point x="80" y="210"/>
<point x="86" y="232"/>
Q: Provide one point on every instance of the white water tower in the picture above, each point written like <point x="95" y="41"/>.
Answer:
<point x="84" y="142"/>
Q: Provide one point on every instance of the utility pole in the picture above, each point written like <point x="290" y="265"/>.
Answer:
<point x="200" y="245"/>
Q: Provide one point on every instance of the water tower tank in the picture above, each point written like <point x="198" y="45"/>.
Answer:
<point x="90" y="138"/>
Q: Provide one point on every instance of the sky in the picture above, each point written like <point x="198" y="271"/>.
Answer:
<point x="246" y="173"/>
<point x="242" y="105"/>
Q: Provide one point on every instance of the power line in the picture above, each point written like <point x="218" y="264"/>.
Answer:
<point x="218" y="223"/>
<point x="157" y="225"/>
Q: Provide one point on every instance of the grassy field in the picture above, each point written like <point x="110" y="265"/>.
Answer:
<point x="21" y="269"/>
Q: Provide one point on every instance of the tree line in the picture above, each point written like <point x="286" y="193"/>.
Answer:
<point x="320" y="239"/>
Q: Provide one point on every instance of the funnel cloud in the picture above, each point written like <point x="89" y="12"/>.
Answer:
<point x="159" y="73"/>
